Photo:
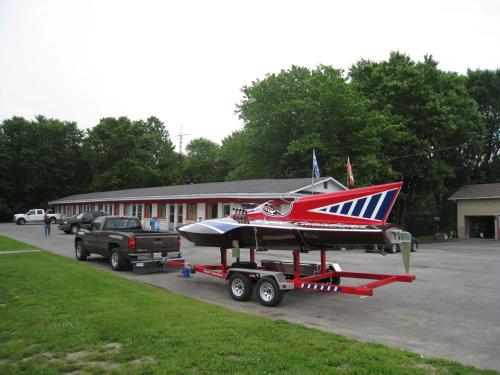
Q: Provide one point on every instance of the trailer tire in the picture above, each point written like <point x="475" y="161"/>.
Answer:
<point x="240" y="287"/>
<point x="268" y="292"/>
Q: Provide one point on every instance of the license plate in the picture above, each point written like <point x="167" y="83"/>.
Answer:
<point x="156" y="255"/>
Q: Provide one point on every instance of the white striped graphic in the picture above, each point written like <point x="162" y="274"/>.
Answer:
<point x="354" y="202"/>
<point x="379" y="203"/>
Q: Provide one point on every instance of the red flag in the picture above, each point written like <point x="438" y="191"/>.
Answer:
<point x="350" y="177"/>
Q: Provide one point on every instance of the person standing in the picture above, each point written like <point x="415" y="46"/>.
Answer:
<point x="46" y="221"/>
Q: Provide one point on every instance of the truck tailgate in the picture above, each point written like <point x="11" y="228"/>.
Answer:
<point x="157" y="242"/>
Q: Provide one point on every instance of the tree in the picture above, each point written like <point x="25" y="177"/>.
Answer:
<point x="129" y="154"/>
<point x="203" y="162"/>
<point x="484" y="87"/>
<point x="288" y="115"/>
<point x="439" y="142"/>
<point x="41" y="160"/>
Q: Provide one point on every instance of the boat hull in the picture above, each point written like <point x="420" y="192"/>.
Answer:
<point x="283" y="235"/>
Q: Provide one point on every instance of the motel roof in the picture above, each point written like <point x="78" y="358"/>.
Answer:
<point x="266" y="188"/>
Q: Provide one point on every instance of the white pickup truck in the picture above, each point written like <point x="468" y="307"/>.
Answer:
<point x="35" y="216"/>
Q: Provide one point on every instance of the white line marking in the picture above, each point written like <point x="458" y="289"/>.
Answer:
<point x="19" y="251"/>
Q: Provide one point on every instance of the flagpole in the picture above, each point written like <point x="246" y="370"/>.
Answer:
<point x="312" y="177"/>
<point x="347" y="172"/>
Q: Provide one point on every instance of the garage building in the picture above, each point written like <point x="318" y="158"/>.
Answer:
<point x="180" y="204"/>
<point x="478" y="211"/>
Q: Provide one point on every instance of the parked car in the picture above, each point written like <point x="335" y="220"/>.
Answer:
<point x="82" y="220"/>
<point x="123" y="240"/>
<point x="35" y="215"/>
<point x="391" y="248"/>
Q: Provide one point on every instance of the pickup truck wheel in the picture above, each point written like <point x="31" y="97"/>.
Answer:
<point x="268" y="292"/>
<point x="53" y="220"/>
<point x="116" y="260"/>
<point x="21" y="221"/>
<point x="80" y="253"/>
<point x="74" y="228"/>
<point x="240" y="287"/>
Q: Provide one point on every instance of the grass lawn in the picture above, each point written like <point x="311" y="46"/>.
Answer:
<point x="61" y="316"/>
<point x="7" y="243"/>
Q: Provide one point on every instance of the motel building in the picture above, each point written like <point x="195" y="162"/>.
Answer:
<point x="181" y="204"/>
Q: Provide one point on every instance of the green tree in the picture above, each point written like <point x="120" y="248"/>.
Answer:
<point x="288" y="115"/>
<point x="484" y="87"/>
<point x="41" y="160"/>
<point x="129" y="154"/>
<point x="439" y="142"/>
<point x="203" y="162"/>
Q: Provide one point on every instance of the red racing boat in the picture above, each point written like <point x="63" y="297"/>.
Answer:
<point x="315" y="222"/>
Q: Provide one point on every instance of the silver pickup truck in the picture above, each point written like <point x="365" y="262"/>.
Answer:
<point x="123" y="240"/>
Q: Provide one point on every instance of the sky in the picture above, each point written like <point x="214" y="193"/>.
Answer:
<point x="185" y="62"/>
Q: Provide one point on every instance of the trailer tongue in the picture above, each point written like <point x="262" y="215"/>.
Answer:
<point x="273" y="278"/>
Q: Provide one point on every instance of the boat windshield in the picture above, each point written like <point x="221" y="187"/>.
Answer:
<point x="270" y="210"/>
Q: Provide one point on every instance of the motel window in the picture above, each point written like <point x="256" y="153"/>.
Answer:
<point x="171" y="218"/>
<point x="226" y="209"/>
<point x="148" y="209"/>
<point x="108" y="208"/>
<point x="162" y="211"/>
<point x="180" y="209"/>
<point x="137" y="210"/>
<point x="211" y="211"/>
<point x="191" y="211"/>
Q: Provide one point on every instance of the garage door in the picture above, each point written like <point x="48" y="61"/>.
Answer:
<point x="480" y="226"/>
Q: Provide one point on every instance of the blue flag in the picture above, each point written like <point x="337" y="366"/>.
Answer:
<point x="315" y="165"/>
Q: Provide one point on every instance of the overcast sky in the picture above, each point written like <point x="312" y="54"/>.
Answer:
<point x="186" y="61"/>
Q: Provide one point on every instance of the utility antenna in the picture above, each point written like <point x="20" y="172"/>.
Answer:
<point x="180" y="136"/>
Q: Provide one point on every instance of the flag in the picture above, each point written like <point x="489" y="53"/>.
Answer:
<point x="315" y="165"/>
<point x="350" y="176"/>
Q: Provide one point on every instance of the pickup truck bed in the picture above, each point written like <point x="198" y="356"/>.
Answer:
<point x="123" y="240"/>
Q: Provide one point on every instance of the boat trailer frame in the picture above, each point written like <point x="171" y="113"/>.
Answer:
<point x="319" y="282"/>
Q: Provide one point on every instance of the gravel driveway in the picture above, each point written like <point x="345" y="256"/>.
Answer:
<point x="451" y="311"/>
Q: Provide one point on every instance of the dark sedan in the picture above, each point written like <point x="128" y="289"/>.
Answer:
<point x="82" y="220"/>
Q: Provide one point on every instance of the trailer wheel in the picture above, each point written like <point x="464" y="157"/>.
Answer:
<point x="240" y="287"/>
<point x="268" y="292"/>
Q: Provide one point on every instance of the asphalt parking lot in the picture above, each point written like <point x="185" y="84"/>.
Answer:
<point x="451" y="311"/>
